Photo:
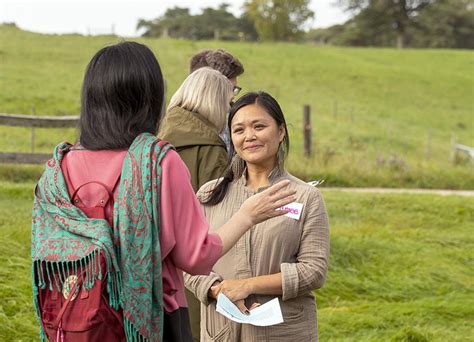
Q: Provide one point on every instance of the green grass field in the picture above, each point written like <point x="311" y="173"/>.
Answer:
<point x="401" y="268"/>
<point x="381" y="117"/>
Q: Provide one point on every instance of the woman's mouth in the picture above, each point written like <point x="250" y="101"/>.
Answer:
<point x="252" y="147"/>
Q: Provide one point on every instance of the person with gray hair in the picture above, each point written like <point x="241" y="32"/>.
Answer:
<point x="228" y="65"/>
<point x="195" y="117"/>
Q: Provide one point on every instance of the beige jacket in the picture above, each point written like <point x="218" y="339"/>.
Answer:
<point x="299" y="249"/>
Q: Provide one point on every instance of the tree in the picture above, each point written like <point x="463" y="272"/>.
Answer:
<point x="177" y="22"/>
<point x="210" y="24"/>
<point x="216" y="24"/>
<point x="401" y="15"/>
<point x="446" y="24"/>
<point x="278" y="19"/>
<point x="247" y="30"/>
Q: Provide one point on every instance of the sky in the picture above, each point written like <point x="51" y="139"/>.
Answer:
<point x="121" y="16"/>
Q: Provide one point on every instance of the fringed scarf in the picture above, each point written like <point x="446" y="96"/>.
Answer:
<point x="64" y="238"/>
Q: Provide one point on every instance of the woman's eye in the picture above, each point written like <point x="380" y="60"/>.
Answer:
<point x="259" y="127"/>
<point x="237" y="131"/>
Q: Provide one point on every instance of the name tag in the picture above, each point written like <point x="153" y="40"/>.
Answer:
<point x="294" y="210"/>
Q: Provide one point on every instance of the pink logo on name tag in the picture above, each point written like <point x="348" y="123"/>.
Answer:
<point x="294" y="210"/>
<point x="291" y="210"/>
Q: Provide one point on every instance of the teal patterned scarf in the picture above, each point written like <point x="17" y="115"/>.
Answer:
<point x="64" y="238"/>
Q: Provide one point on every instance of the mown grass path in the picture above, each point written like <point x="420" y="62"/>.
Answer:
<point x="439" y="192"/>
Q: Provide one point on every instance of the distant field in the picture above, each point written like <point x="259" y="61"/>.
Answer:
<point x="401" y="268"/>
<point x="381" y="117"/>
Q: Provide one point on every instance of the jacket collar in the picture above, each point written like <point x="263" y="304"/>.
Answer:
<point x="277" y="174"/>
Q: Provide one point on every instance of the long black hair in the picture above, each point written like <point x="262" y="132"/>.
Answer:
<point x="122" y="96"/>
<point x="271" y="106"/>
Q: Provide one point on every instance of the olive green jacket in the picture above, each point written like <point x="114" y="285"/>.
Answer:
<point x="197" y="142"/>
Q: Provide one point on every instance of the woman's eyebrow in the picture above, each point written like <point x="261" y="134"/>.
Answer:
<point x="251" y="122"/>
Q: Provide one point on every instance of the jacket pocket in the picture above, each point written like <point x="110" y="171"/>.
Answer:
<point x="293" y="313"/>
<point x="217" y="327"/>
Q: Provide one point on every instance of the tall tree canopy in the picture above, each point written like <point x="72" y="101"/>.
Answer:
<point x="279" y="19"/>
<point x="212" y="23"/>
<point x="177" y="22"/>
<point x="399" y="14"/>
<point x="432" y="24"/>
<point x="446" y="24"/>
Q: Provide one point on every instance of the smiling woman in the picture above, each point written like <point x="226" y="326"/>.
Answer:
<point x="285" y="257"/>
<point x="256" y="136"/>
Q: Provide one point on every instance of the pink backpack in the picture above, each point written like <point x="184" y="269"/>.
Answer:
<point x="76" y="314"/>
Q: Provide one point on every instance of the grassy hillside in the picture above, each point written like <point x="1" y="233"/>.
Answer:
<point x="400" y="268"/>
<point x="381" y="117"/>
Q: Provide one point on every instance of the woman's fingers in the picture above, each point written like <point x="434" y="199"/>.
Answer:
<point x="241" y="305"/>
<point x="279" y="193"/>
<point x="254" y="305"/>
<point x="264" y="205"/>
<point x="277" y="186"/>
<point x="215" y="290"/>
<point x="284" y="201"/>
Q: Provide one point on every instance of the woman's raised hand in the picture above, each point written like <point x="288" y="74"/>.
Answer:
<point x="264" y="205"/>
<point x="256" y="209"/>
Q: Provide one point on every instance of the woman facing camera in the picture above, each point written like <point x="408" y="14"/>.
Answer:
<point x="285" y="257"/>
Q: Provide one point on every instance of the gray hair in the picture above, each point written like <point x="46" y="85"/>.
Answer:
<point x="207" y="92"/>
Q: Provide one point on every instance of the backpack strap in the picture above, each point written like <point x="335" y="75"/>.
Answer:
<point x="101" y="205"/>
<point x="57" y="322"/>
<point x="110" y="183"/>
<point x="75" y="199"/>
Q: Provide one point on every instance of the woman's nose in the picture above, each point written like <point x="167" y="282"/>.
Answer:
<point x="249" y="134"/>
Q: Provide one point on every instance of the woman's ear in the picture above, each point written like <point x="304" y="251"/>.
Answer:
<point x="281" y="132"/>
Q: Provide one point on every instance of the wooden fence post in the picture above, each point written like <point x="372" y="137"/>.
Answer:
<point x="33" y="110"/>
<point x="307" y="130"/>
<point x="33" y="122"/>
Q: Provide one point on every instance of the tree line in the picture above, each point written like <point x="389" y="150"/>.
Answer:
<point x="400" y="23"/>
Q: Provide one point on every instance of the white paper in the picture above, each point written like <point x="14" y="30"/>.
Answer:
<point x="294" y="210"/>
<point x="263" y="315"/>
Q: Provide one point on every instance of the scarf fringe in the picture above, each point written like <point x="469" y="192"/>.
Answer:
<point x="131" y="333"/>
<point x="114" y="289"/>
<point x="42" y="335"/>
<point x="53" y="274"/>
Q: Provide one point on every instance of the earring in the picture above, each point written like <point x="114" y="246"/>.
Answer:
<point x="238" y="166"/>
<point x="281" y="157"/>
